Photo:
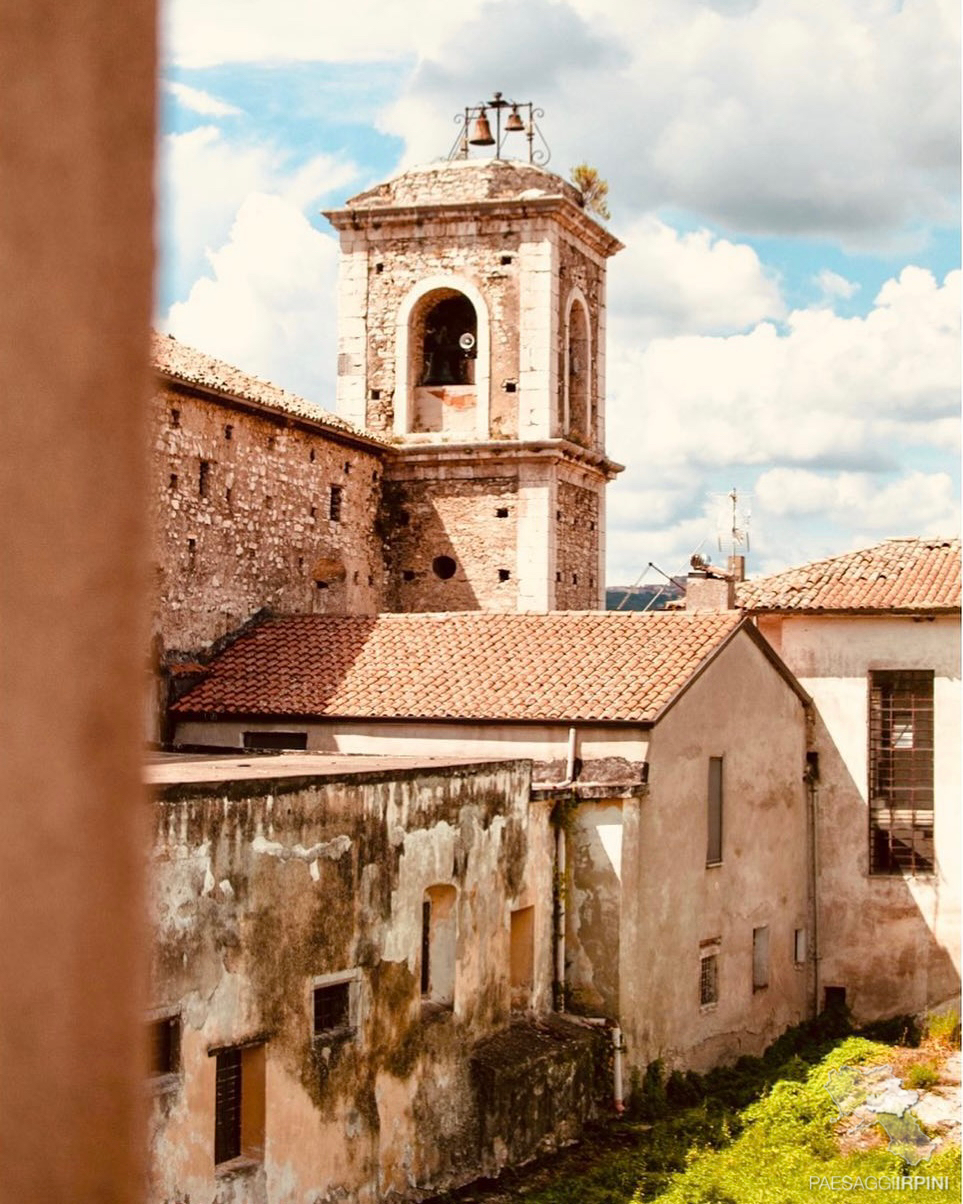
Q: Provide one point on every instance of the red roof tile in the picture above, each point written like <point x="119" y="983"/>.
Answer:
<point x="586" y="666"/>
<point x="183" y="363"/>
<point x="902" y="575"/>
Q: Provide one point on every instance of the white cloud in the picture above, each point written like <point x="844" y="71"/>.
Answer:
<point x="833" y="287"/>
<point x="838" y="120"/>
<point x="201" y="102"/>
<point x="860" y="415"/>
<point x="207" y="176"/>
<point x="268" y="304"/>
<point x="667" y="282"/>
<point x="200" y="33"/>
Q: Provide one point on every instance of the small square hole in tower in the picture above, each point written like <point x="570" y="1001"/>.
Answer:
<point x="503" y="575"/>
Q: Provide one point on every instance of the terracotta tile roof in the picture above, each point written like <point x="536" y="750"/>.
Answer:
<point x="902" y="575"/>
<point x="183" y="363"/>
<point x="566" y="665"/>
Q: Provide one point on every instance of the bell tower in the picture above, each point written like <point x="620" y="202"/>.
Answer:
<point x="472" y="336"/>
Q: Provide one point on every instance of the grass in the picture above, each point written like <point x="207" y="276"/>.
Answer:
<point x="760" y="1132"/>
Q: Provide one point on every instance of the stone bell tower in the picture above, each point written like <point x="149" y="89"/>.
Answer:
<point x="472" y="336"/>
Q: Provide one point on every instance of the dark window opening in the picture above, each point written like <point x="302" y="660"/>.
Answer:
<point x="425" y="946"/>
<point x="370" y="579"/>
<point x="229" y="432"/>
<point x="354" y="577"/>
<point x="300" y="562"/>
<point x="558" y="578"/>
<point x="268" y="500"/>
<point x="229" y="495"/>
<point x="408" y="574"/>
<point x="314" y="512"/>
<point x="375" y="394"/>
<point x="191" y="548"/>
<point x="272" y="441"/>
<point x="172" y="481"/>
<point x="444" y="567"/>
<point x="558" y="516"/>
<point x="204" y="478"/>
<point x="175" y="417"/>
<point x="347" y="467"/>
<point x="227" y="1106"/>
<point x="575" y="578"/>
<point x="334" y="504"/>
<point x="714" y="813"/>
<point x="165" y="1046"/>
<point x="760" y="958"/>
<point x="379" y="268"/>
<point x="404" y="518"/>
<point x="708" y="979"/>
<point x="506" y="260"/>
<point x="503" y="575"/>
<point x="501" y="512"/>
<point x="834" y="999"/>
<point x="320" y="585"/>
<point x="901" y="772"/>
<point x="449" y="344"/>
<point x="311" y="455"/>
<point x="511" y="386"/>
<point x="296" y="741"/>
<point x="332" y="1009"/>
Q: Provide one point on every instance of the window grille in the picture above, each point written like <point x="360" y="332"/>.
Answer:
<point x="709" y="979"/>
<point x="227" y="1106"/>
<point x="901" y="772"/>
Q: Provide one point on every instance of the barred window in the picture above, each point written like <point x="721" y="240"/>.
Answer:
<point x="239" y="1103"/>
<point x="708" y="979"/>
<point x="900" y="772"/>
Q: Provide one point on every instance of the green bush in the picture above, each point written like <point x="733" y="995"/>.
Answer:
<point x="922" y="1075"/>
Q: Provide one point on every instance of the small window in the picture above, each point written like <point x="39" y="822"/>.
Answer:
<point x="172" y="481"/>
<point x="708" y="979"/>
<point x="379" y="268"/>
<point x="760" y="958"/>
<point x="714" y="813"/>
<point x="229" y="432"/>
<point x="165" y="1046"/>
<point x="504" y="575"/>
<point x="239" y="1104"/>
<point x="311" y="455"/>
<point x="332" y="1009"/>
<point x="204" y="478"/>
<point x="407" y="575"/>
<point x="501" y="512"/>
<point x="334" y="504"/>
<point x="438" y="933"/>
<point x="229" y="495"/>
<point x="522" y="956"/>
<point x="375" y="394"/>
<point x="799" y="946"/>
<point x="444" y="567"/>
<point x="175" y="418"/>
<point x="511" y="386"/>
<point x="296" y="741"/>
<point x="901" y="772"/>
<point x="575" y="578"/>
<point x="506" y="260"/>
<point x="834" y="999"/>
<point x="313" y="512"/>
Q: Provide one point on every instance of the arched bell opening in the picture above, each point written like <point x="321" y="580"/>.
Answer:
<point x="578" y="371"/>
<point x="442" y="365"/>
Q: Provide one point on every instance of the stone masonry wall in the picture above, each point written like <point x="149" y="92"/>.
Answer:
<point x="576" y="547"/>
<point x="483" y="252"/>
<point x="243" y="518"/>
<point x="471" y="522"/>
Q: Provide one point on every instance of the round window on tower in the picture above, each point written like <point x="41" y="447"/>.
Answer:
<point x="444" y="567"/>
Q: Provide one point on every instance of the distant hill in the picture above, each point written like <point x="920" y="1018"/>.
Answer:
<point x="642" y="597"/>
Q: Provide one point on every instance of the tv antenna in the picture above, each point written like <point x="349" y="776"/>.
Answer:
<point x="732" y="521"/>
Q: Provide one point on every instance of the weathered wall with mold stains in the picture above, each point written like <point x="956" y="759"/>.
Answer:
<point x="260" y="887"/>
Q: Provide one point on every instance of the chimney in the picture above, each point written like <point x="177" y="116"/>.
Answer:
<point x="709" y="588"/>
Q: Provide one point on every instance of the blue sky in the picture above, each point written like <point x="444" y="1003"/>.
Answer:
<point x="784" y="174"/>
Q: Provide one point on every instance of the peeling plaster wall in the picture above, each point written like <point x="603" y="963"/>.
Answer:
<point x="260" y="887"/>
<point x="742" y="710"/>
<point x="916" y="963"/>
<point x="257" y="532"/>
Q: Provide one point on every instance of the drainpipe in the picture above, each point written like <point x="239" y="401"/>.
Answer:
<point x="812" y="800"/>
<point x="560" y="868"/>
<point x="618" y="1048"/>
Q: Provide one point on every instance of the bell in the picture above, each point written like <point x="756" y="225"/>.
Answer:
<point x="481" y="134"/>
<point x="514" y="123"/>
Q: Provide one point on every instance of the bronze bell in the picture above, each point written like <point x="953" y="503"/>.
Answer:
<point x="481" y="134"/>
<point x="514" y="122"/>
